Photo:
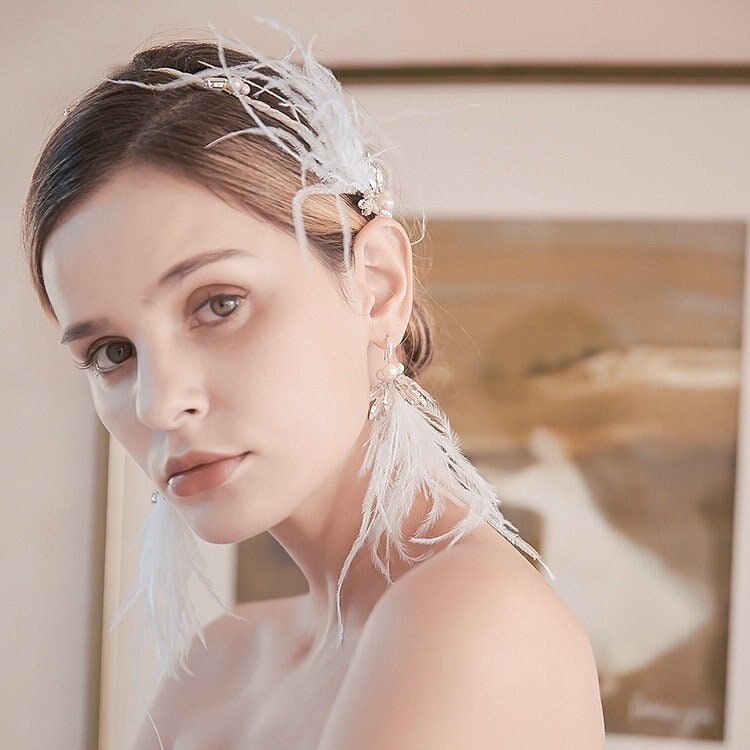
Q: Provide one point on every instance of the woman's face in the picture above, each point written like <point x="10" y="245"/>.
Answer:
<point x="228" y="364"/>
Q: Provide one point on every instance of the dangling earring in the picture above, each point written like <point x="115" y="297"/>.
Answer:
<point x="169" y="556"/>
<point x="413" y="451"/>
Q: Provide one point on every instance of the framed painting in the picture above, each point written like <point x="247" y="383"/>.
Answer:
<point x="589" y="246"/>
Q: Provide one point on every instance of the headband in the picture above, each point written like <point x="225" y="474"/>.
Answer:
<point x="314" y="122"/>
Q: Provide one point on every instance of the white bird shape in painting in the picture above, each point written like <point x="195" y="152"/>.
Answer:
<point x="633" y="608"/>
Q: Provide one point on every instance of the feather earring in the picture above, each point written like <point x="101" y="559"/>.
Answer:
<point x="169" y="558"/>
<point x="413" y="451"/>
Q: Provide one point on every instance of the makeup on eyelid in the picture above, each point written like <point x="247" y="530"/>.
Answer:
<point x="90" y="360"/>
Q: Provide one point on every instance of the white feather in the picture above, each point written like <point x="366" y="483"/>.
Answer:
<point x="413" y="451"/>
<point x="317" y="123"/>
<point x="169" y="559"/>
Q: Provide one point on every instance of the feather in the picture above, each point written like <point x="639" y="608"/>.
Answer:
<point x="169" y="558"/>
<point x="315" y="123"/>
<point x="413" y="451"/>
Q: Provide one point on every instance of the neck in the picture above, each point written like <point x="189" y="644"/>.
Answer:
<point x="319" y="536"/>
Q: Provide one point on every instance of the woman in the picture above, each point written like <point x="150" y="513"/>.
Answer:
<point x="214" y="237"/>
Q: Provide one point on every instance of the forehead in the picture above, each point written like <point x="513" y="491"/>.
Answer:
<point x="136" y="225"/>
<point x="137" y="207"/>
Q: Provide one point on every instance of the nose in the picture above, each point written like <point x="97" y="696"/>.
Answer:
<point x="169" y="388"/>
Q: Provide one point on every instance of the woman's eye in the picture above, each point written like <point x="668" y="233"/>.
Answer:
<point x="220" y="306"/>
<point x="109" y="356"/>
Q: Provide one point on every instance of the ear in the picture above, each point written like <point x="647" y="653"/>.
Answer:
<point x="383" y="267"/>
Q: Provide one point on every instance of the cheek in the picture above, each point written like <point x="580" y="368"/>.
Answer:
<point x="327" y="355"/>
<point x="116" y="413"/>
<point x="304" y="367"/>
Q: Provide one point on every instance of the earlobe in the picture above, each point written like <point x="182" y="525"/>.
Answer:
<point x="383" y="257"/>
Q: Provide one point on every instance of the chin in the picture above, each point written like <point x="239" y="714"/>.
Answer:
<point x="215" y="529"/>
<point x="219" y="536"/>
<point x="215" y="533"/>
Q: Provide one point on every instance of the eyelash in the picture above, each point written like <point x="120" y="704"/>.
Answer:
<point x="89" y="363"/>
<point x="236" y="298"/>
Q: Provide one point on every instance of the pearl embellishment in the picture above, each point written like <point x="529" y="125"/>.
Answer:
<point x="393" y="370"/>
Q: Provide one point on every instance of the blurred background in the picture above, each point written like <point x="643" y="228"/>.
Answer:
<point x="492" y="144"/>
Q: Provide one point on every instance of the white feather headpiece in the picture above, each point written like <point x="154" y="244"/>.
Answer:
<point x="314" y="122"/>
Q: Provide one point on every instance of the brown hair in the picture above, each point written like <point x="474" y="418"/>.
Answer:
<point x="115" y="125"/>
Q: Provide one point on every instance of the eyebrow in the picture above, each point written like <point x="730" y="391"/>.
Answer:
<point x="185" y="267"/>
<point x="81" y="330"/>
<point x="175" y="273"/>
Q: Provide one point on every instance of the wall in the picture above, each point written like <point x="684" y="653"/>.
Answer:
<point x="52" y="452"/>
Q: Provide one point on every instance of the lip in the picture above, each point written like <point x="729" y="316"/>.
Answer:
<point x="196" y="472"/>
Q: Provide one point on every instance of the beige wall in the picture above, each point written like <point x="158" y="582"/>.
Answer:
<point x="52" y="453"/>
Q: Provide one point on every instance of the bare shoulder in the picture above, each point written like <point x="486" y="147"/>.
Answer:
<point x="470" y="648"/>
<point x="486" y="587"/>
<point x="220" y="667"/>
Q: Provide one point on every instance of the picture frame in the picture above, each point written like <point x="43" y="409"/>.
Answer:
<point x="554" y="150"/>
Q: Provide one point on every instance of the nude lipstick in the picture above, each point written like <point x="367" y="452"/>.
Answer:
<point x="194" y="472"/>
